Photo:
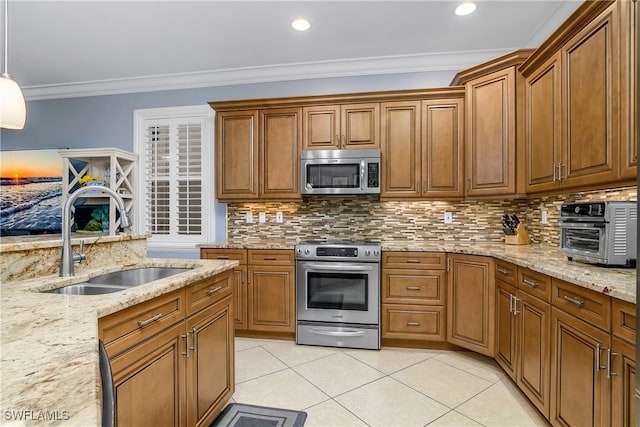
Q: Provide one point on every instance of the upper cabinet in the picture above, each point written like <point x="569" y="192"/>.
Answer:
<point x="422" y="144"/>
<point x="580" y="102"/>
<point x="257" y="154"/>
<point x="349" y="126"/>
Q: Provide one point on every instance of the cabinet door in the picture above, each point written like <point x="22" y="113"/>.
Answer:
<point x="210" y="367"/>
<point x="471" y="303"/>
<point x="237" y="155"/>
<point x="534" y="330"/>
<point x="506" y="329"/>
<point x="491" y="134"/>
<point x="271" y="299"/>
<point x="240" y="297"/>
<point x="400" y="150"/>
<point x="280" y="153"/>
<point x="443" y="148"/>
<point x="590" y="107"/>
<point x="543" y="127"/>
<point x="623" y="380"/>
<point x="580" y="390"/>
<point x="360" y="126"/>
<point x="628" y="88"/>
<point x="321" y="127"/>
<point x="149" y="381"/>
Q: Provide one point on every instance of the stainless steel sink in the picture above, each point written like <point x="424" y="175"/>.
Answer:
<point x="118" y="281"/>
<point x="136" y="276"/>
<point x="85" y="288"/>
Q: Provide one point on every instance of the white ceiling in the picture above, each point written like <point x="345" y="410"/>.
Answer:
<point x="76" y="48"/>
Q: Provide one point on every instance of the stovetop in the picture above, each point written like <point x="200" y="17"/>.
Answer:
<point x="340" y="242"/>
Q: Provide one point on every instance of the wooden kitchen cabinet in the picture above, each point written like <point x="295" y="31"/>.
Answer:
<point x="506" y="328"/>
<point x="629" y="89"/>
<point x="413" y="298"/>
<point x="347" y="126"/>
<point x="580" y="390"/>
<point x="264" y="285"/>
<point x="257" y="154"/>
<point x="240" y="276"/>
<point x="623" y="360"/>
<point x="491" y="134"/>
<point x="172" y="357"/>
<point x="471" y="303"/>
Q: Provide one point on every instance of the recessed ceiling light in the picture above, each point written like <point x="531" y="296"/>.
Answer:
<point x="300" y="24"/>
<point x="465" y="8"/>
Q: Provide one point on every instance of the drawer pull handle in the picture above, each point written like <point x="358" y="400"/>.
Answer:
<point x="223" y="257"/>
<point x="503" y="271"/>
<point x="413" y="323"/>
<point x="574" y="301"/>
<point x="269" y="258"/>
<point x="413" y="261"/>
<point x="213" y="291"/>
<point x="413" y="288"/>
<point x="531" y="283"/>
<point x="143" y="323"/>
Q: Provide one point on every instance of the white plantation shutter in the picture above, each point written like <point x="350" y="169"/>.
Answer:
<point x="176" y="187"/>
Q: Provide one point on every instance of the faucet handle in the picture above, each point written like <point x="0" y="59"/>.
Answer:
<point x="80" y="256"/>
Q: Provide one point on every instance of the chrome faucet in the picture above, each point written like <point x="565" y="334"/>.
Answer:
<point x="68" y="258"/>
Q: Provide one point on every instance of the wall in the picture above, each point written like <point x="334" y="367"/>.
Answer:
<point x="370" y="218"/>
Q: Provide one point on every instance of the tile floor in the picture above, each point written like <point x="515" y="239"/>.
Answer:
<point x="391" y="387"/>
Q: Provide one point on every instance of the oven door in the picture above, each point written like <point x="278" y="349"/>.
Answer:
<point x="341" y="292"/>
<point x="584" y="239"/>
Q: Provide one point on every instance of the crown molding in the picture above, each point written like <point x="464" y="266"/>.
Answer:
<point x="447" y="61"/>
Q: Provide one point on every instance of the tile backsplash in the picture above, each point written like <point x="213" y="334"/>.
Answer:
<point x="368" y="217"/>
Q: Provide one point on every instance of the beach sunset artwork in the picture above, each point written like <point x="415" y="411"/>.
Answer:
<point x="30" y="192"/>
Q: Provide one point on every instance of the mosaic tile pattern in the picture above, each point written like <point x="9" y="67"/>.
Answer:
<point x="368" y="217"/>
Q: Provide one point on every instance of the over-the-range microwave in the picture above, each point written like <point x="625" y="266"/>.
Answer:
<point x="340" y="172"/>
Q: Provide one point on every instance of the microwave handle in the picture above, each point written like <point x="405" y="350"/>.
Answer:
<point x="362" y="168"/>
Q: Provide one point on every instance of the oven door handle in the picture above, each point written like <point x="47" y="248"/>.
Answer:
<point x="334" y="333"/>
<point x="342" y="266"/>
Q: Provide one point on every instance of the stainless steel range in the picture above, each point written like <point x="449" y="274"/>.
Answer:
<point x="338" y="293"/>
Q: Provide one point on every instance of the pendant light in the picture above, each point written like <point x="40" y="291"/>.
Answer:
<point x="12" y="108"/>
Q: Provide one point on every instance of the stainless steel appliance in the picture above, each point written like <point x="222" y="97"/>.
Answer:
<point x="600" y="232"/>
<point x="340" y="172"/>
<point x="338" y="293"/>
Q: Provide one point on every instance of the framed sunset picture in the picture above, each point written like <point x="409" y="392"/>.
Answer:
<point x="30" y="192"/>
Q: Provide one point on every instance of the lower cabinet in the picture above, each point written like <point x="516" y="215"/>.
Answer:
<point x="471" y="303"/>
<point x="264" y="284"/>
<point x="172" y="358"/>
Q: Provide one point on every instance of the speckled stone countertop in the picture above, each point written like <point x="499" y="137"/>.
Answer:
<point x="617" y="282"/>
<point x="49" y="342"/>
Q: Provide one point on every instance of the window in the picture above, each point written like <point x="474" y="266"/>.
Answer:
<point x="175" y="206"/>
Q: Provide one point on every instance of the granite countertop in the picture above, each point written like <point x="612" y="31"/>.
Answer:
<point x="42" y="241"/>
<point x="616" y="282"/>
<point x="49" y="342"/>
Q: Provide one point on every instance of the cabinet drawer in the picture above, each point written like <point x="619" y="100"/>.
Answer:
<point x="413" y="322"/>
<point x="506" y="272"/>
<point x="583" y="303"/>
<point x="623" y="320"/>
<point x="225" y="254"/>
<point x="415" y="260"/>
<point x="270" y="257"/>
<point x="414" y="286"/>
<point x="126" y="328"/>
<point x="534" y="283"/>
<point x="209" y="291"/>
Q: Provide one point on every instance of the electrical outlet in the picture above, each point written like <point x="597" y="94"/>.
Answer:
<point x="248" y="218"/>
<point x="544" y="217"/>
<point x="279" y="217"/>
<point x="448" y="218"/>
<point x="262" y="217"/>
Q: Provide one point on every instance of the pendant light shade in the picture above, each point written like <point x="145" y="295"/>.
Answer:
<point x="12" y="108"/>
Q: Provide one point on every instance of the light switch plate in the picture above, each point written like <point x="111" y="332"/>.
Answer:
<point x="262" y="217"/>
<point x="279" y="217"/>
<point x="544" y="217"/>
<point x="248" y="218"/>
